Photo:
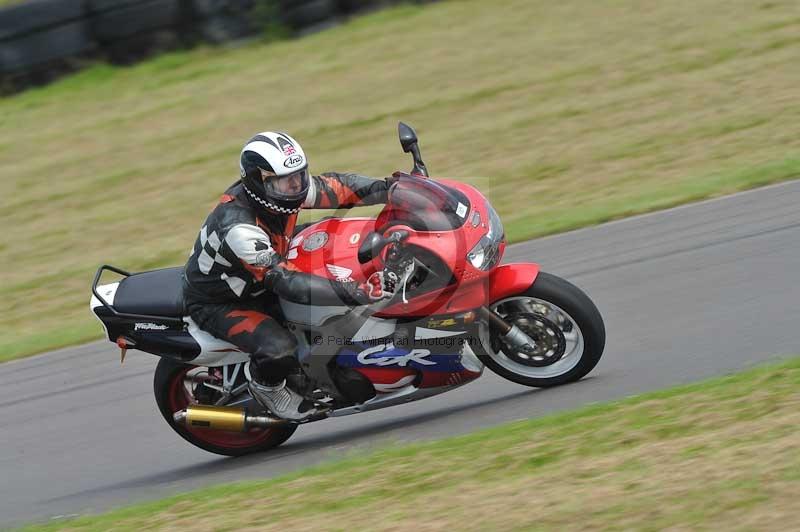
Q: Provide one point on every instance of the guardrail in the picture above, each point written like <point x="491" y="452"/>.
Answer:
<point x="41" y="40"/>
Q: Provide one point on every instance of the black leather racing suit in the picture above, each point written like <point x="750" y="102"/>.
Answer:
<point x="237" y="265"/>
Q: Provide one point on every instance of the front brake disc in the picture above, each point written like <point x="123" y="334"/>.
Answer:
<point x="550" y="344"/>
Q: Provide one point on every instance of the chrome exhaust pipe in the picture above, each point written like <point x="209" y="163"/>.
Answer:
<point x="223" y="418"/>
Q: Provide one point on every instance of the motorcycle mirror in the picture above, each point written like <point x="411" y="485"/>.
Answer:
<point x="371" y="246"/>
<point x="409" y="142"/>
<point x="408" y="137"/>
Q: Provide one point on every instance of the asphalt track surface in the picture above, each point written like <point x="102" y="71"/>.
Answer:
<point x="689" y="293"/>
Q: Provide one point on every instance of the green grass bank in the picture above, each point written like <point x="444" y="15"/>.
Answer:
<point x="718" y="455"/>
<point x="564" y="113"/>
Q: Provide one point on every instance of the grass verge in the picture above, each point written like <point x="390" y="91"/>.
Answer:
<point x="720" y="455"/>
<point x="562" y="121"/>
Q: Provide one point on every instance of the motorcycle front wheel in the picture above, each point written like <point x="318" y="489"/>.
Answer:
<point x="177" y="385"/>
<point x="566" y="327"/>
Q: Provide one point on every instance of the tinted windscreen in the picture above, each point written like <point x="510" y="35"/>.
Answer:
<point x="424" y="205"/>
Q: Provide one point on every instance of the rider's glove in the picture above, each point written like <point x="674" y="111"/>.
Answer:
<point x="308" y="289"/>
<point x="375" y="287"/>
<point x="394" y="178"/>
<point x="351" y="293"/>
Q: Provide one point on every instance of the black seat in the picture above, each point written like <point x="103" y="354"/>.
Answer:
<point x="157" y="293"/>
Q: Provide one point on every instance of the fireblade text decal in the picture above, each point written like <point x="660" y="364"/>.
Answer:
<point x="149" y="327"/>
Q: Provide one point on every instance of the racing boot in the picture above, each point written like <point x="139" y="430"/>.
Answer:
<point x="282" y="401"/>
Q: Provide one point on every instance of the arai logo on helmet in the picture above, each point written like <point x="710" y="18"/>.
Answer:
<point x="291" y="162"/>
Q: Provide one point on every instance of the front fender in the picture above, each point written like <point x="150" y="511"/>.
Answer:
<point x="511" y="279"/>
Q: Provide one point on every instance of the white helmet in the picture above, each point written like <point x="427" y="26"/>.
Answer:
<point x="274" y="172"/>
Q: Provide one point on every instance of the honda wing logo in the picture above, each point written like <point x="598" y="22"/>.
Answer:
<point x="340" y="272"/>
<point x="415" y="355"/>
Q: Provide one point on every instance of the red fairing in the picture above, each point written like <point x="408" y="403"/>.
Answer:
<point x="471" y="289"/>
<point x="387" y="380"/>
<point x="337" y="255"/>
<point x="435" y="379"/>
<point x="329" y="249"/>
<point x="452" y="299"/>
<point x="511" y="279"/>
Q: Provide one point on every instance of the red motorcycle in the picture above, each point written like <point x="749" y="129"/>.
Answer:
<point x="452" y="309"/>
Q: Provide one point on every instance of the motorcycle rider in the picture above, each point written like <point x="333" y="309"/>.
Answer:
<point x="238" y="262"/>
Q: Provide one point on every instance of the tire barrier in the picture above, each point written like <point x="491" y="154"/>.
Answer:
<point x="115" y="20"/>
<point x="32" y="50"/>
<point x="37" y="15"/>
<point x="223" y="28"/>
<point x="208" y="8"/>
<point x="355" y="6"/>
<point x="219" y="21"/>
<point x="36" y="35"/>
<point x="302" y="14"/>
<point x="42" y="39"/>
<point x="130" y="30"/>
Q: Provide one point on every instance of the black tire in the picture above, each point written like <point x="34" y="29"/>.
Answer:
<point x="310" y="13"/>
<point x="28" y="52"/>
<point x="30" y="17"/>
<point x="224" y="28"/>
<point x="355" y="6"/>
<point x="131" y="49"/>
<point x="166" y="372"/>
<point x="581" y="309"/>
<point x="115" y="20"/>
<point x="210" y="8"/>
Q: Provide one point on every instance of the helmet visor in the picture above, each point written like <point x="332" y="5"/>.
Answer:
<point x="290" y="186"/>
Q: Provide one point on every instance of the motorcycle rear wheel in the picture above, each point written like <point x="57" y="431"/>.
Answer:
<point x="565" y="324"/>
<point x="174" y="393"/>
